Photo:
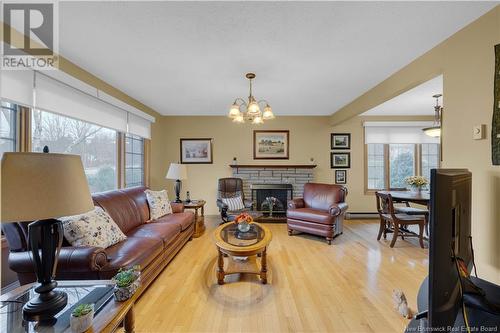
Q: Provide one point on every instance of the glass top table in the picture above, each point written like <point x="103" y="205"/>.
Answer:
<point x="11" y="307"/>
<point x="230" y="241"/>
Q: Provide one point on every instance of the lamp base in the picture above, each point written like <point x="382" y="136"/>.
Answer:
<point x="178" y="187"/>
<point x="45" y="239"/>
<point x="45" y="306"/>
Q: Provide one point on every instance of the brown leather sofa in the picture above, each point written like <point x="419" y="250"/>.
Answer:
<point x="150" y="245"/>
<point x="320" y="212"/>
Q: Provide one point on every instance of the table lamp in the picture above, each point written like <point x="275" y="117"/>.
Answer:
<point x="178" y="172"/>
<point x="42" y="187"/>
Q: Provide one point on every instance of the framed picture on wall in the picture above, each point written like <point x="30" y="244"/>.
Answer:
<point x="340" y="140"/>
<point x="196" y="151"/>
<point x="271" y="145"/>
<point x="340" y="176"/>
<point x="340" y="160"/>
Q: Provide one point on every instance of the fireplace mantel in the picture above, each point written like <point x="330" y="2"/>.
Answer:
<point x="274" y="166"/>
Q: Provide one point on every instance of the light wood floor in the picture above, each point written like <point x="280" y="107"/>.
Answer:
<point x="313" y="287"/>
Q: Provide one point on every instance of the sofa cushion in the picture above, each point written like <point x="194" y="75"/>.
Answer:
<point x="137" y="195"/>
<point x="133" y="251"/>
<point x="158" y="203"/>
<point x="95" y="228"/>
<point x="183" y="220"/>
<point x="312" y="215"/>
<point x="167" y="232"/>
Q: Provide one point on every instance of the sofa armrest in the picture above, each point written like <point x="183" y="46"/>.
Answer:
<point x="71" y="258"/>
<point x="296" y="203"/>
<point x="338" y="209"/>
<point x="177" y="207"/>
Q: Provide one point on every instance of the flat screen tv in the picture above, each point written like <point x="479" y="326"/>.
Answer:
<point x="450" y="231"/>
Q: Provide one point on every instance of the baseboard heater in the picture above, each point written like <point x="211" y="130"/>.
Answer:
<point x="361" y="215"/>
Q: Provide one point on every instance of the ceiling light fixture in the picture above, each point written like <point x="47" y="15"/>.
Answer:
<point x="251" y="109"/>
<point x="435" y="129"/>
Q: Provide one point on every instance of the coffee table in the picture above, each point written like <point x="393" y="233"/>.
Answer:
<point x="231" y="242"/>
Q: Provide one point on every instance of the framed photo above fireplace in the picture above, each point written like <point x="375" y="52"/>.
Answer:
<point x="340" y="160"/>
<point x="340" y="176"/>
<point x="271" y="145"/>
<point x="196" y="151"/>
<point x="340" y="140"/>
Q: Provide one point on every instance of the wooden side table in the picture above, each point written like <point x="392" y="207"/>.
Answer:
<point x="197" y="205"/>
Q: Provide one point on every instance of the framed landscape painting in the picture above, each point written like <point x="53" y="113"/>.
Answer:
<point x="271" y="145"/>
<point x="340" y="140"/>
<point x="196" y="151"/>
<point x="340" y="160"/>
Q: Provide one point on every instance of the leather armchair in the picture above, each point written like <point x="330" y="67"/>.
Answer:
<point x="230" y="188"/>
<point x="320" y="212"/>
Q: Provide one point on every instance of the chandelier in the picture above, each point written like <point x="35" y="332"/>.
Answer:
<point x="242" y="110"/>
<point x="435" y="129"/>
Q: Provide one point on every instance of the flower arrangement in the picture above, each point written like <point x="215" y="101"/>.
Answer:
<point x="416" y="181"/>
<point x="243" y="218"/>
<point x="126" y="283"/>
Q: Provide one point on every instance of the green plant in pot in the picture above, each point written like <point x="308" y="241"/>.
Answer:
<point x="127" y="281"/>
<point x="81" y="318"/>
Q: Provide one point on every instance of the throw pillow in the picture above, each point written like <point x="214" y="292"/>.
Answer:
<point x="94" y="228"/>
<point x="234" y="204"/>
<point x="158" y="204"/>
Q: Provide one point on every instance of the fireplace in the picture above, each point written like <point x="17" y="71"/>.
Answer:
<point x="282" y="193"/>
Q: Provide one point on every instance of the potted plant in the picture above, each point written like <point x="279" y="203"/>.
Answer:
<point x="81" y="318"/>
<point x="416" y="182"/>
<point x="127" y="281"/>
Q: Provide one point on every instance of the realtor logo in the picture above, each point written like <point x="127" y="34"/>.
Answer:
<point x="30" y="36"/>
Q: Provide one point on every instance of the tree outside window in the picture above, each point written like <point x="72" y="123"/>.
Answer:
<point x="96" y="145"/>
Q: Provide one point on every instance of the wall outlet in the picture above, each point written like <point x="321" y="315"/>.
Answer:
<point x="479" y="132"/>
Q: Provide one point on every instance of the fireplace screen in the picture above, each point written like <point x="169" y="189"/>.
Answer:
<point x="278" y="195"/>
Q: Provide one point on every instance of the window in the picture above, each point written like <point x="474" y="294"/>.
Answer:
<point x="134" y="161"/>
<point x="429" y="158"/>
<point x="387" y="165"/>
<point x="376" y="165"/>
<point x="8" y="127"/>
<point x="96" y="145"/>
<point x="402" y="164"/>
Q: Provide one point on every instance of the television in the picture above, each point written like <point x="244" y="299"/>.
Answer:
<point x="450" y="236"/>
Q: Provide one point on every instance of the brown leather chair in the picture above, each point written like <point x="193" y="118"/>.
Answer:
<point x="320" y="212"/>
<point x="230" y="188"/>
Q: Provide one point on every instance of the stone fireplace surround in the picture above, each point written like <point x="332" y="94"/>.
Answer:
<point x="296" y="175"/>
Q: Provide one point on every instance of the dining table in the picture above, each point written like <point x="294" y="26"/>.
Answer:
<point x="418" y="197"/>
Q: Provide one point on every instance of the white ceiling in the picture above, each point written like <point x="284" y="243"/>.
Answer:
<point x="311" y="58"/>
<point x="414" y="102"/>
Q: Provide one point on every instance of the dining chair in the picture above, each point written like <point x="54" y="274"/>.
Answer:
<point x="407" y="209"/>
<point x="396" y="223"/>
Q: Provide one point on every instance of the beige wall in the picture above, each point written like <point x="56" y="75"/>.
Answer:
<point x="467" y="62"/>
<point x="309" y="137"/>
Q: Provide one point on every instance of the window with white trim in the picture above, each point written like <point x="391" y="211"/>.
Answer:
<point x="134" y="160"/>
<point x="8" y="128"/>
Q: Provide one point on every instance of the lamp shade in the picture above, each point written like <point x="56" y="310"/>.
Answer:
<point x="177" y="171"/>
<point x="39" y="186"/>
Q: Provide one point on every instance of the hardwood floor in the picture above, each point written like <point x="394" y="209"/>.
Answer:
<point x="312" y="287"/>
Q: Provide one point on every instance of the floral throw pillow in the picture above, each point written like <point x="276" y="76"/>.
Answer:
<point x="94" y="228"/>
<point x="158" y="204"/>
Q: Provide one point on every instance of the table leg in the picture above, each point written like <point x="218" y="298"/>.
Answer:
<point x="129" y="321"/>
<point x="220" y="267"/>
<point x="263" y="269"/>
